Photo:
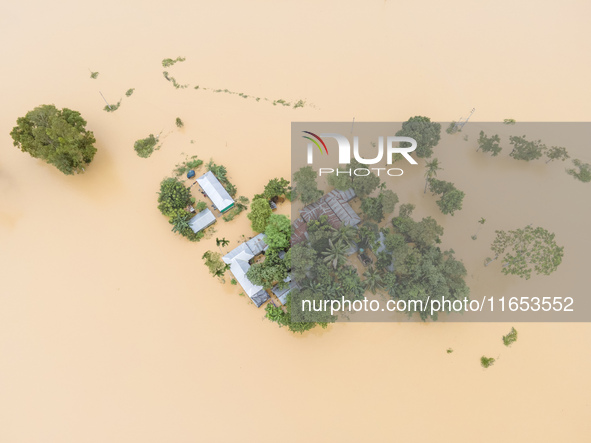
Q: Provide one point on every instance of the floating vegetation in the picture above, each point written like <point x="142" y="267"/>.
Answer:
<point x="167" y="62"/>
<point x="486" y="362"/>
<point x="129" y="92"/>
<point x="282" y="102"/>
<point x="189" y="163"/>
<point x="179" y="123"/>
<point x="584" y="172"/>
<point x="112" y="108"/>
<point x="449" y="350"/>
<point x="510" y="338"/>
<point x="509" y="121"/>
<point x="146" y="146"/>
<point x="173" y="80"/>
<point x="94" y="75"/>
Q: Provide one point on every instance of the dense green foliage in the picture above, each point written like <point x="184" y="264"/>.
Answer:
<point x="584" y="172"/>
<point x="510" y="338"/>
<point x="215" y="264"/>
<point x="112" y="107"/>
<point x="451" y="198"/>
<point x="94" y="75"/>
<point x="556" y="153"/>
<point x="259" y="214"/>
<point x="526" y="150"/>
<point x="275" y="188"/>
<point x="278" y="232"/>
<point x="284" y="318"/>
<point x="179" y="123"/>
<point x="424" y="131"/>
<point x="145" y="146"/>
<point x="376" y="208"/>
<point x="526" y="250"/>
<point x="167" y="62"/>
<point x="272" y="270"/>
<point x="486" y="362"/>
<point x="129" y="92"/>
<point x="305" y="187"/>
<point x="489" y="144"/>
<point x="173" y="196"/>
<point x="59" y="137"/>
<point x="431" y="169"/>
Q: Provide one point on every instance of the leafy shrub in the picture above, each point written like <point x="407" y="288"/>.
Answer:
<point x="145" y="147"/>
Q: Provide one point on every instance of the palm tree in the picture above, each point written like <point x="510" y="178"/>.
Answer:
<point x="347" y="234"/>
<point x="221" y="242"/>
<point x="180" y="223"/>
<point x="373" y="280"/>
<point x="336" y="254"/>
<point x="432" y="168"/>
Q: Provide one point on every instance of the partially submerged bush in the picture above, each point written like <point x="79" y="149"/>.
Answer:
<point x="510" y="338"/>
<point x="486" y="362"/>
<point x="145" y="147"/>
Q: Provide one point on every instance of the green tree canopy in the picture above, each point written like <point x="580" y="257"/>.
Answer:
<point x="526" y="150"/>
<point x="489" y="144"/>
<point x="363" y="185"/>
<point x="424" y="131"/>
<point x="259" y="214"/>
<point x="145" y="146"/>
<point x="305" y="187"/>
<point x="303" y="258"/>
<point x="276" y="187"/>
<point x="451" y="198"/>
<point x="527" y="250"/>
<point x="272" y="270"/>
<point x="584" y="172"/>
<point x="215" y="264"/>
<point x="556" y="153"/>
<point x="59" y="137"/>
<point x="173" y="196"/>
<point x="278" y="232"/>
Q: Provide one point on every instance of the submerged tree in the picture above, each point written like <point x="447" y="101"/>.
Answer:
<point x="527" y="250"/>
<point x="526" y="150"/>
<point x="57" y="136"/>
<point x="584" y="172"/>
<point x="173" y="196"/>
<point x="431" y="171"/>
<point x="275" y="188"/>
<point x="305" y="187"/>
<point x="510" y="338"/>
<point x="336" y="254"/>
<point x="215" y="264"/>
<point x="424" y="131"/>
<point x="486" y="362"/>
<point x="489" y="144"/>
<point x="557" y="153"/>
<point x="259" y="214"/>
<point x="145" y="146"/>
<point x="451" y="198"/>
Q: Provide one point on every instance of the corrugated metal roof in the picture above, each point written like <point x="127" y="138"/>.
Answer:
<point x="202" y="220"/>
<point x="215" y="191"/>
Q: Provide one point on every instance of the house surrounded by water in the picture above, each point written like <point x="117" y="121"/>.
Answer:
<point x="216" y="192"/>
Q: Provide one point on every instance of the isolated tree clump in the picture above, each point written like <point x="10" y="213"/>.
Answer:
<point x="259" y="214"/>
<point x="215" y="264"/>
<point x="510" y="338"/>
<point x="451" y="198"/>
<point x="424" y="131"/>
<point x="377" y="207"/>
<point x="173" y="196"/>
<point x="305" y="187"/>
<point x="486" y="362"/>
<point x="526" y="150"/>
<point x="584" y="172"/>
<point x="278" y="232"/>
<point x="489" y="144"/>
<point x="145" y="147"/>
<point x="57" y="136"/>
<point x="527" y="250"/>
<point x="556" y="153"/>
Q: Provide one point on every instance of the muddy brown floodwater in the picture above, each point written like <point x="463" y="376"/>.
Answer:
<point x="112" y="330"/>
